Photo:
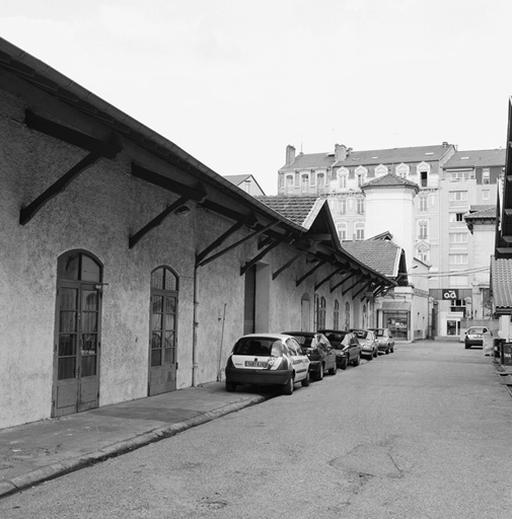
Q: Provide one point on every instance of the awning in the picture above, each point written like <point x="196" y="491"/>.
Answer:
<point x="394" y="306"/>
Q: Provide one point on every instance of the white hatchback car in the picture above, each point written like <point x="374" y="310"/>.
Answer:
<point x="267" y="359"/>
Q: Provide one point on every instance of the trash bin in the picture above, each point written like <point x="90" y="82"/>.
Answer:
<point x="497" y="348"/>
<point x="506" y="355"/>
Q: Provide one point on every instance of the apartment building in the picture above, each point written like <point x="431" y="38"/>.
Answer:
<point x="449" y="183"/>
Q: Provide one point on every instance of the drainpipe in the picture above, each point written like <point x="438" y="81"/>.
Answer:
<point x="194" y="331"/>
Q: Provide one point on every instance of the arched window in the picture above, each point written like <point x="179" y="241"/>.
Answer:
<point x="365" y="318"/>
<point x="164" y="316"/>
<point x="336" y="315"/>
<point x="361" y="173"/>
<point x="347" y="316"/>
<point x="342" y="177"/>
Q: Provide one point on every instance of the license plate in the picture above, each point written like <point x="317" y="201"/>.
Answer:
<point x="255" y="364"/>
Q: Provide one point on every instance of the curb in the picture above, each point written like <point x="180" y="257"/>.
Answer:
<point x="60" y="468"/>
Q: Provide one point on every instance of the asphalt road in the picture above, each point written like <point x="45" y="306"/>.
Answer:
<point x="423" y="433"/>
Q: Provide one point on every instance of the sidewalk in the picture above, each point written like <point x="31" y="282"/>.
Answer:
<point x="33" y="453"/>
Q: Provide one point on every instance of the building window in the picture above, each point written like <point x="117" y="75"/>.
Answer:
<point x="320" y="312"/>
<point x="456" y="217"/>
<point x="422" y="230"/>
<point x="456" y="197"/>
<point x="458" y="237"/>
<point x="359" y="231"/>
<point x="305" y="182"/>
<point x="342" y="231"/>
<point x="321" y="180"/>
<point x="360" y="206"/>
<point x="461" y="176"/>
<point x="402" y="170"/>
<point x="458" y="259"/>
<point x="423" y="203"/>
<point x="423" y="254"/>
<point x="343" y="206"/>
<point x="423" y="170"/>
<point x="336" y="315"/>
<point x="381" y="170"/>
<point x="347" y="316"/>
<point x="486" y="195"/>
<point x="289" y="182"/>
<point x="486" y="176"/>
<point x="361" y="173"/>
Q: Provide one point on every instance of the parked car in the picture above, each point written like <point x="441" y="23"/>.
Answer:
<point x="368" y="343"/>
<point x="474" y="336"/>
<point x="346" y="346"/>
<point x="267" y="359"/>
<point x="318" y="349"/>
<point x="385" y="340"/>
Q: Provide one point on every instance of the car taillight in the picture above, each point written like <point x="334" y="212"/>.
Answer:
<point x="278" y="363"/>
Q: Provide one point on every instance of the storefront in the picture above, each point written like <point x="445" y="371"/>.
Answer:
<point x="396" y="316"/>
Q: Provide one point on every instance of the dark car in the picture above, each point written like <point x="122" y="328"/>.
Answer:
<point x="318" y="349"/>
<point x="475" y="336"/>
<point x="346" y="345"/>
<point x="368" y="343"/>
<point x="385" y="340"/>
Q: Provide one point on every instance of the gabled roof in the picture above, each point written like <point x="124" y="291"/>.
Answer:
<point x="390" y="180"/>
<point x="371" y="157"/>
<point x="298" y="209"/>
<point x="237" y="179"/>
<point x="501" y="284"/>
<point x="476" y="158"/>
<point x="381" y="255"/>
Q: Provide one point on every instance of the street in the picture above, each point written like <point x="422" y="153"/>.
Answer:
<point x="420" y="433"/>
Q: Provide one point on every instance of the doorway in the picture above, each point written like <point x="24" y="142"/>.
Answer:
<point x="162" y="340"/>
<point x="78" y="334"/>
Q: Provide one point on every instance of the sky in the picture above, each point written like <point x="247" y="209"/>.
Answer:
<point x="233" y="82"/>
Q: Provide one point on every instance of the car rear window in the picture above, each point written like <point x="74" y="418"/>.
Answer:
<point x="303" y="340"/>
<point x="262" y="346"/>
<point x="361" y="334"/>
<point x="379" y="333"/>
<point x="476" y="330"/>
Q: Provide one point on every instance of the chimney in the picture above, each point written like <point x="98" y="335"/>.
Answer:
<point x="290" y="154"/>
<point x="445" y="144"/>
<point x="340" y="152"/>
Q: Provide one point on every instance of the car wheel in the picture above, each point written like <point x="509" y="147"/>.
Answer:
<point x="344" y="364"/>
<point x="466" y="346"/>
<point x="305" y="382"/>
<point x="375" y="354"/>
<point x="288" y="387"/>
<point x="357" y="361"/>
<point x="387" y="351"/>
<point x="230" y="386"/>
<point x="320" y="372"/>
<point x="369" y="357"/>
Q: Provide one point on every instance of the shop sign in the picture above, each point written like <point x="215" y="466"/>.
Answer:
<point x="450" y="293"/>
